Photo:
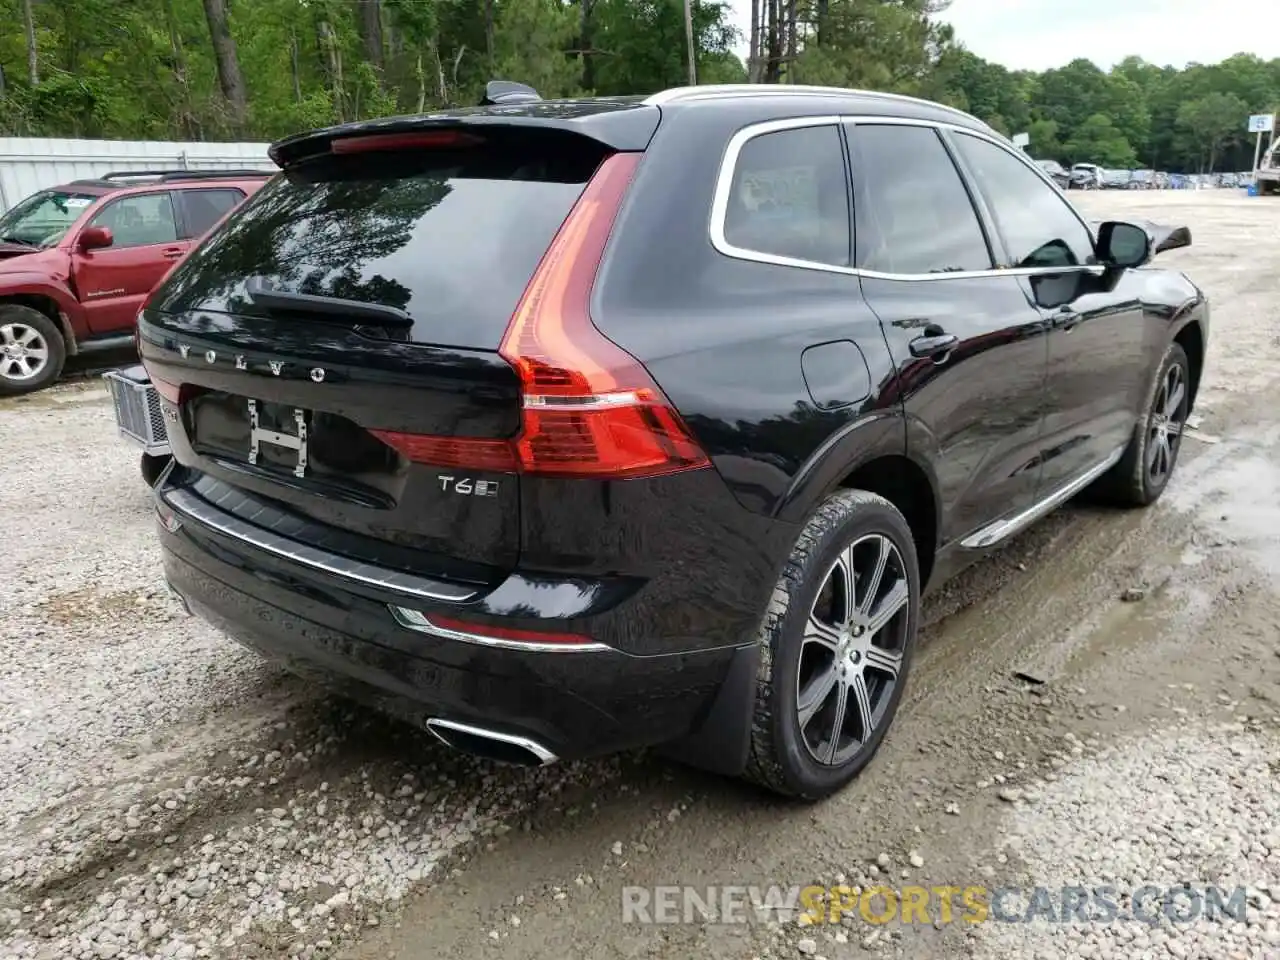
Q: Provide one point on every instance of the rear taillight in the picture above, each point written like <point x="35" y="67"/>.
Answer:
<point x="589" y="408"/>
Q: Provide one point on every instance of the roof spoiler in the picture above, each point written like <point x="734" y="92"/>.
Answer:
<point x="502" y="92"/>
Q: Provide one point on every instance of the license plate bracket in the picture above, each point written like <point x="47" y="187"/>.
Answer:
<point x="260" y="435"/>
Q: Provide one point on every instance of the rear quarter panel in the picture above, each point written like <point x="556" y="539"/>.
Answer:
<point x="723" y="337"/>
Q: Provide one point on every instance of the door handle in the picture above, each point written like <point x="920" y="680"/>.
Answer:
<point x="173" y="254"/>
<point x="935" y="346"/>
<point x="1066" y="319"/>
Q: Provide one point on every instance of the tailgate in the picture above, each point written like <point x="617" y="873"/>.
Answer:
<point x="332" y="348"/>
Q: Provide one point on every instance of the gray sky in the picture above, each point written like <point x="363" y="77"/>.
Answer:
<point x="1038" y="34"/>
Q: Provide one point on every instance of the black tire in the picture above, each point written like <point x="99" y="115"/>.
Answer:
<point x="1133" y="482"/>
<point x="153" y="466"/>
<point x="782" y="756"/>
<point x="31" y="331"/>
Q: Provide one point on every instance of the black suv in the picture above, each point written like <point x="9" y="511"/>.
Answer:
<point x="567" y="427"/>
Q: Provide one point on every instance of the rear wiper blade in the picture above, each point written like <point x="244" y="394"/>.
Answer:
<point x="357" y="311"/>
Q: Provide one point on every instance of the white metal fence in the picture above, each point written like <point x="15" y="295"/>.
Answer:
<point x="28" y="164"/>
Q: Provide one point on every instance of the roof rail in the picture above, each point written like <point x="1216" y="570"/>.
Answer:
<point x="164" y="176"/>
<point x="676" y="94"/>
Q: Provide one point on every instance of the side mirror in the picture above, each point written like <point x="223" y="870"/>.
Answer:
<point x="95" y="238"/>
<point x="1123" y="244"/>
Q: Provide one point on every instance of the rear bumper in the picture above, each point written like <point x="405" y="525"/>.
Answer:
<point x="319" y="625"/>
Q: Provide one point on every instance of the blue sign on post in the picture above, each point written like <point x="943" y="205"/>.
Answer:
<point x="1261" y="123"/>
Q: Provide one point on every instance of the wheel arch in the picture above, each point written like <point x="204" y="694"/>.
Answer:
<point x="59" y="306"/>
<point x="875" y="454"/>
<point x="909" y="487"/>
<point x="1191" y="338"/>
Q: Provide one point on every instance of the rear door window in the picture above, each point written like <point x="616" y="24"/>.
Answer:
<point x="201" y="209"/>
<point x="452" y="236"/>
<point x="914" y="214"/>
<point x="789" y="196"/>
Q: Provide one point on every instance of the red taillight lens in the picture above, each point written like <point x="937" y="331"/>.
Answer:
<point x="589" y="408"/>
<point x="476" y="454"/>
<point x="483" y="631"/>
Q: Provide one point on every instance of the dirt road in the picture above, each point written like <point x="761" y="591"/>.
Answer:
<point x="163" y="794"/>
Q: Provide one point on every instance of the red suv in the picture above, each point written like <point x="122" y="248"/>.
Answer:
<point x="77" y="261"/>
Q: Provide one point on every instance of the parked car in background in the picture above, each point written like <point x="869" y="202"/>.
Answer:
<point x="76" y="261"/>
<point x="1115" y="179"/>
<point x="488" y="463"/>
<point x="1086" y="176"/>
<point x="1228" y="180"/>
<point x="1162" y="181"/>
<point x="1056" y="172"/>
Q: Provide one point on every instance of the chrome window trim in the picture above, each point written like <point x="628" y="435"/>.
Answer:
<point x="729" y="163"/>
<point x="724" y="187"/>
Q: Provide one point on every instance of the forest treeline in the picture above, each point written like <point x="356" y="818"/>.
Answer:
<point x="260" y="69"/>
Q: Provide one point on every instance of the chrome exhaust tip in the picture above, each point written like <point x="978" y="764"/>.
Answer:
<point x="490" y="744"/>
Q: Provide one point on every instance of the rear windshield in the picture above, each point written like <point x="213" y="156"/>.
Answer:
<point x="450" y="237"/>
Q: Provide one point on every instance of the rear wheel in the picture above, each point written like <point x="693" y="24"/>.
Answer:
<point x="1144" y="470"/>
<point x="31" y="350"/>
<point x="836" y="645"/>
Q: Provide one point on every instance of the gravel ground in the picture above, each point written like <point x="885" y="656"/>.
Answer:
<point x="165" y="794"/>
<point x="1155" y="812"/>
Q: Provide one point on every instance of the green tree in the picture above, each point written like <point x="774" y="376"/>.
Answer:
<point x="1098" y="140"/>
<point x="1044" y="140"/>
<point x="1210" y="122"/>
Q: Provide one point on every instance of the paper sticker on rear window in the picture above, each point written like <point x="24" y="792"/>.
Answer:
<point x="789" y="193"/>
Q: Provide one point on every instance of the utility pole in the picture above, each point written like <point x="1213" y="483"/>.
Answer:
<point x="688" y="38"/>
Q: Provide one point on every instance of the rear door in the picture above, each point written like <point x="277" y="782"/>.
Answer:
<point x="1098" y="347"/>
<point x="113" y="281"/>
<point x="974" y="408"/>
<point x="338" y="336"/>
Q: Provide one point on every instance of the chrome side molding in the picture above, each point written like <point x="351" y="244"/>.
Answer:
<point x="1002" y="529"/>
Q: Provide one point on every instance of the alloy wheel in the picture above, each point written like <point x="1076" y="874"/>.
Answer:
<point x="851" y="656"/>
<point x="1168" y="417"/>
<point x="24" y="352"/>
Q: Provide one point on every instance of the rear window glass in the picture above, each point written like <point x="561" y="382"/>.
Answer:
<point x="789" y="196"/>
<point x="451" y="237"/>
<point x="201" y="209"/>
